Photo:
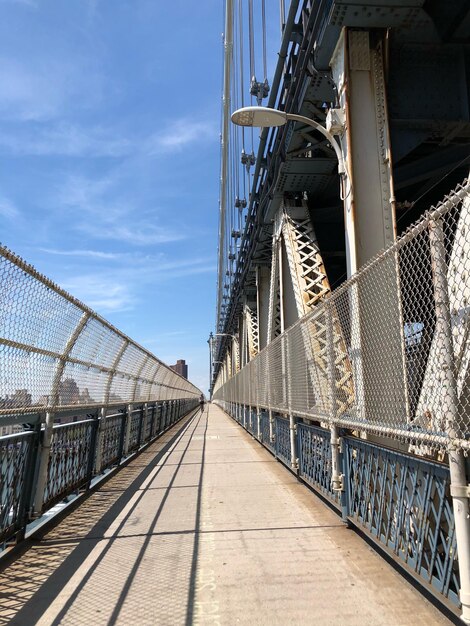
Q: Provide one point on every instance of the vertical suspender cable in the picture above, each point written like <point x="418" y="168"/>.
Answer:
<point x="282" y="12"/>
<point x="228" y="46"/>
<point x="251" y="28"/>
<point x="263" y="24"/>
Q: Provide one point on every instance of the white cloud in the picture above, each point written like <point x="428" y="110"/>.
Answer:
<point x="93" y="254"/>
<point x="8" y="209"/>
<point x="45" y="88"/>
<point x="142" y="233"/>
<point x="65" y="140"/>
<point x="29" y="3"/>
<point x="181" y="133"/>
<point x="101" y="292"/>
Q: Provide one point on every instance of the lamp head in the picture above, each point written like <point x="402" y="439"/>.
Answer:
<point x="259" y="116"/>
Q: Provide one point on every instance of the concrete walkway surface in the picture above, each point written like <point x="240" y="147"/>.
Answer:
<point x="205" y="527"/>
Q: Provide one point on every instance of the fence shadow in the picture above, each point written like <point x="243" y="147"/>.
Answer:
<point x="137" y="533"/>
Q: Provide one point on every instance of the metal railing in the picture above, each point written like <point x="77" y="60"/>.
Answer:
<point x="388" y="353"/>
<point x="385" y="357"/>
<point x="79" y="451"/>
<point x="60" y="361"/>
<point x="57" y="354"/>
<point x="400" y="500"/>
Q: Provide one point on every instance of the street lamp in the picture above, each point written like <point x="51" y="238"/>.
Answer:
<point x="226" y="335"/>
<point x="266" y="118"/>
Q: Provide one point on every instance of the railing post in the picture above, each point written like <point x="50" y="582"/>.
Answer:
<point x="99" y="442"/>
<point x="94" y="440"/>
<point x="152" y="425"/>
<point x="144" y="424"/>
<point x="336" y="476"/>
<point x="292" y="427"/>
<point x="127" y="436"/>
<point x="30" y="475"/>
<point x="271" y="426"/>
<point x="141" y="426"/>
<point x="459" y="488"/>
<point x="45" y="451"/>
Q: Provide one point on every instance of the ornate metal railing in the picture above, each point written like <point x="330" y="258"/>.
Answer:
<point x="401" y="501"/>
<point x="60" y="361"/>
<point x="386" y="358"/>
<point x="79" y="452"/>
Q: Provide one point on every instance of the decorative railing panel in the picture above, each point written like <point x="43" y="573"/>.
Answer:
<point x="282" y="439"/>
<point x="265" y="430"/>
<point x="15" y="465"/>
<point x="111" y="439"/>
<point x="405" y="503"/>
<point x="314" y="452"/>
<point x="69" y="460"/>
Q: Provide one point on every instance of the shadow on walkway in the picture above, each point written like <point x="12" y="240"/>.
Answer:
<point x="81" y="571"/>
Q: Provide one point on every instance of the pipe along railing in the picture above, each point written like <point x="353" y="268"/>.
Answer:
<point x="78" y="452"/>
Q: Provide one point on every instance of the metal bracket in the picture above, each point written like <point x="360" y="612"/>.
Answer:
<point x="338" y="485"/>
<point x="460" y="491"/>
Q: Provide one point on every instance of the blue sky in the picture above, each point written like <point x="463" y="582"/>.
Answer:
<point x="109" y="159"/>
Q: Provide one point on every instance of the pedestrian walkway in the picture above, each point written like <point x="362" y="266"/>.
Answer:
<point x="205" y="527"/>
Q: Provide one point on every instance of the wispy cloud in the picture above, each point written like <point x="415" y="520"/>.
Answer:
<point x="92" y="254"/>
<point x="101" y="292"/>
<point x="63" y="139"/>
<point x="103" y="211"/>
<point x="181" y="133"/>
<point x="45" y="87"/>
<point x="142" y="233"/>
<point x="29" y="3"/>
<point x="8" y="209"/>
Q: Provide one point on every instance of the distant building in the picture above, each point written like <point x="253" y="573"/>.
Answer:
<point x="68" y="392"/>
<point x="180" y="368"/>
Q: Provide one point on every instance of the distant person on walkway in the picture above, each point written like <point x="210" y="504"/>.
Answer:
<point x="202" y="401"/>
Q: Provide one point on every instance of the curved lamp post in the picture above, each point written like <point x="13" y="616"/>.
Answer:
<point x="266" y="118"/>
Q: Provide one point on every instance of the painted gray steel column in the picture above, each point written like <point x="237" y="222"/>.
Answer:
<point x="369" y="213"/>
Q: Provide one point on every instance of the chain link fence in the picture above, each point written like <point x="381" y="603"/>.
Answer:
<point x="388" y="353"/>
<point x="57" y="354"/>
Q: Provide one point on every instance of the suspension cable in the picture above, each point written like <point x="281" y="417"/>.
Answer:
<point x="263" y="25"/>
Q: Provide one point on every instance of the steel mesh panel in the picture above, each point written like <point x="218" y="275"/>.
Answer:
<point x="122" y="389"/>
<point x="149" y="370"/>
<point x="82" y="385"/>
<point x="131" y="360"/>
<point x="31" y="313"/>
<point x="388" y="352"/>
<point x="142" y="391"/>
<point x="25" y="378"/>
<point x="53" y="349"/>
<point x="69" y="460"/>
<point x="97" y="344"/>
<point x="14" y="456"/>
